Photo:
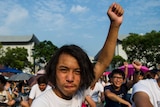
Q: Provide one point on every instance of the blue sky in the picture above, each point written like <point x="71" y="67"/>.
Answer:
<point x="81" y="22"/>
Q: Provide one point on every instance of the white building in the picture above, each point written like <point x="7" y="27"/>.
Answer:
<point x="118" y="51"/>
<point x="28" y="42"/>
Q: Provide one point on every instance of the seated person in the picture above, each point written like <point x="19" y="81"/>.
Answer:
<point x="39" y="88"/>
<point x="5" y="97"/>
<point x="115" y="94"/>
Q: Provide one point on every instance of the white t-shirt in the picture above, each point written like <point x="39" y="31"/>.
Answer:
<point x="95" y="93"/>
<point x="50" y="99"/>
<point x="4" y="97"/>
<point x="151" y="88"/>
<point x="35" y="91"/>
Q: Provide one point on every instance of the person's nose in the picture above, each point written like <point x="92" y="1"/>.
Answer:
<point x="70" y="76"/>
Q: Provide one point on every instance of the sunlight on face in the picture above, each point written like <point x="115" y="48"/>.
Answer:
<point x="67" y="75"/>
<point x="117" y="80"/>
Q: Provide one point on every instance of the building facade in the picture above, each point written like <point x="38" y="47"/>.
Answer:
<point x="28" y="42"/>
<point x="118" y="51"/>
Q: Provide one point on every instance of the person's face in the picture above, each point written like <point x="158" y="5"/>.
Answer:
<point x="156" y="76"/>
<point x="137" y="77"/>
<point x="117" y="80"/>
<point x="67" y="75"/>
<point x="42" y="86"/>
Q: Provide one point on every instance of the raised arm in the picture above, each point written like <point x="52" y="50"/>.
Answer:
<point x="115" y="14"/>
<point x="137" y="65"/>
<point x="125" y="71"/>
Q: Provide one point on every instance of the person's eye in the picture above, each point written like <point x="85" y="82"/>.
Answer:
<point x="63" y="69"/>
<point x="77" y="72"/>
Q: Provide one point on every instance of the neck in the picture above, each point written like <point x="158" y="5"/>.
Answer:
<point x="116" y="88"/>
<point x="60" y="94"/>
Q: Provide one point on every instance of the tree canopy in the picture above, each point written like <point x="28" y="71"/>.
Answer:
<point x="143" y="47"/>
<point x="43" y="51"/>
<point x="117" y="61"/>
<point x="15" y="58"/>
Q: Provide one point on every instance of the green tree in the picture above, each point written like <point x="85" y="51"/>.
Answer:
<point x="16" y="58"/>
<point x="143" y="47"/>
<point x="43" y="51"/>
<point x="1" y="53"/>
<point x="132" y="46"/>
<point x="117" y="61"/>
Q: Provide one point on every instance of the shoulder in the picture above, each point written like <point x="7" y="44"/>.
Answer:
<point x="108" y="87"/>
<point x="143" y="84"/>
<point x="124" y="87"/>
<point x="140" y="86"/>
<point x="34" y="86"/>
<point x="143" y="87"/>
<point x="44" y="99"/>
<point x="137" y="99"/>
<point x="48" y="87"/>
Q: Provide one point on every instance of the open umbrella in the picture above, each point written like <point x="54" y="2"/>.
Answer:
<point x="131" y="69"/>
<point x="106" y="73"/>
<point x="9" y="70"/>
<point x="33" y="79"/>
<point x="20" y="76"/>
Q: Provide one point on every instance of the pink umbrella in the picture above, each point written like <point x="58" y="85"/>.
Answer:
<point x="33" y="79"/>
<point x="131" y="69"/>
<point x="106" y="73"/>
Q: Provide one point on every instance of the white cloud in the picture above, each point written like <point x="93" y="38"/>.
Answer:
<point x="78" y="9"/>
<point x="11" y="13"/>
<point x="50" y="5"/>
<point x="13" y="16"/>
<point x="5" y="30"/>
<point x="140" y="8"/>
<point x="16" y="15"/>
<point x="88" y="36"/>
<point x="50" y="14"/>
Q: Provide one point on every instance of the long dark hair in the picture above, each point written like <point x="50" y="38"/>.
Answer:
<point x="86" y="67"/>
<point x="2" y="80"/>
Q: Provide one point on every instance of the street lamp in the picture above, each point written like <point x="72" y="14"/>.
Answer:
<point x="33" y="55"/>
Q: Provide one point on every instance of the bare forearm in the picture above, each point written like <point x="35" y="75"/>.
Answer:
<point x="30" y="101"/>
<point x="116" y="98"/>
<point x="107" y="51"/>
<point x="115" y="13"/>
<point x="90" y="101"/>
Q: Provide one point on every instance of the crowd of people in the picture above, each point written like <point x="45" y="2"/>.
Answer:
<point x="138" y="90"/>
<point x="20" y="93"/>
<point x="76" y="82"/>
<point x="118" y="90"/>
